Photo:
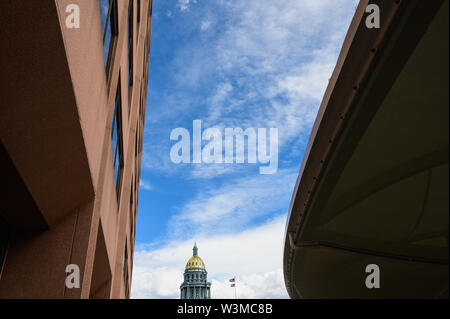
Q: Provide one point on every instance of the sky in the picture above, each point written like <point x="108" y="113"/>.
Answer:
<point x="231" y="64"/>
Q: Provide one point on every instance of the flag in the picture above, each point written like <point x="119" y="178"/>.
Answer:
<point x="233" y="285"/>
<point x="232" y="280"/>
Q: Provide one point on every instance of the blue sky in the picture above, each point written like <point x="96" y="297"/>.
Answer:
<point x="237" y="63"/>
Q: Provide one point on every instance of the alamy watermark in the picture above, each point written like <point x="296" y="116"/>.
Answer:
<point x="230" y="139"/>
<point x="73" y="277"/>
<point x="73" y="19"/>
<point x="373" y="279"/>
<point x="373" y="18"/>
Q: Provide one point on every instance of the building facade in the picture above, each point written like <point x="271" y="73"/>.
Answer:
<point x="73" y="98"/>
<point x="195" y="284"/>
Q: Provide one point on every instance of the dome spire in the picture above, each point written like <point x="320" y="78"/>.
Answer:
<point x="195" y="249"/>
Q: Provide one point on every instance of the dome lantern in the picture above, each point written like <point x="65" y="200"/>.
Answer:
<point x="195" y="250"/>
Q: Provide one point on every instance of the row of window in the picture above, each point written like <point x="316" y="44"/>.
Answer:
<point x="195" y="264"/>
<point x="195" y="276"/>
<point x="110" y="27"/>
<point x="196" y="292"/>
<point x="125" y="270"/>
<point x="109" y="20"/>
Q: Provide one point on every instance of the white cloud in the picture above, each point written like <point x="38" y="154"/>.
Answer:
<point x="216" y="101"/>
<point x="206" y="24"/>
<point x="145" y="185"/>
<point x="255" y="286"/>
<point x="235" y="204"/>
<point x="281" y="56"/>
<point x="185" y="4"/>
<point x="156" y="156"/>
<point x="205" y="171"/>
<point x="254" y="256"/>
<point x="155" y="282"/>
<point x="268" y="66"/>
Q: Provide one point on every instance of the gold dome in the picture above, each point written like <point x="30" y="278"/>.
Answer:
<point x="195" y="262"/>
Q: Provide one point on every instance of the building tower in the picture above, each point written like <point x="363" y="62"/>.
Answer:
<point x="195" y="284"/>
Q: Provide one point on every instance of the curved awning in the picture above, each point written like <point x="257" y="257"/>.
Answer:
<point x="373" y="185"/>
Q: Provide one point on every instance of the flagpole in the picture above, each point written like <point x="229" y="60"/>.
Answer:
<point x="233" y="280"/>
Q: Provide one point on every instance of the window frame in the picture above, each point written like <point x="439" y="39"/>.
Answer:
<point x="138" y="12"/>
<point x="125" y="269"/>
<point x="117" y="150"/>
<point x="112" y="19"/>
<point x="132" y="190"/>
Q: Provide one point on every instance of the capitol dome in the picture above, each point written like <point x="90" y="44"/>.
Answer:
<point x="195" y="262"/>
<point x="195" y="284"/>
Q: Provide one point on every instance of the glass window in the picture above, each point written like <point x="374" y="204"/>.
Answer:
<point x="125" y="258"/>
<point x="138" y="12"/>
<point x="131" y="211"/>
<point x="116" y="138"/>
<point x="125" y="269"/>
<point x="109" y="20"/>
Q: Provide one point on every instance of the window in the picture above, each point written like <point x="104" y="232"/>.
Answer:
<point x="125" y="269"/>
<point x="116" y="137"/>
<point x="130" y="43"/>
<point x="131" y="211"/>
<point x="140" y="104"/>
<point x="136" y="140"/>
<point x="138" y="11"/>
<point x="109" y="20"/>
<point x="125" y="259"/>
